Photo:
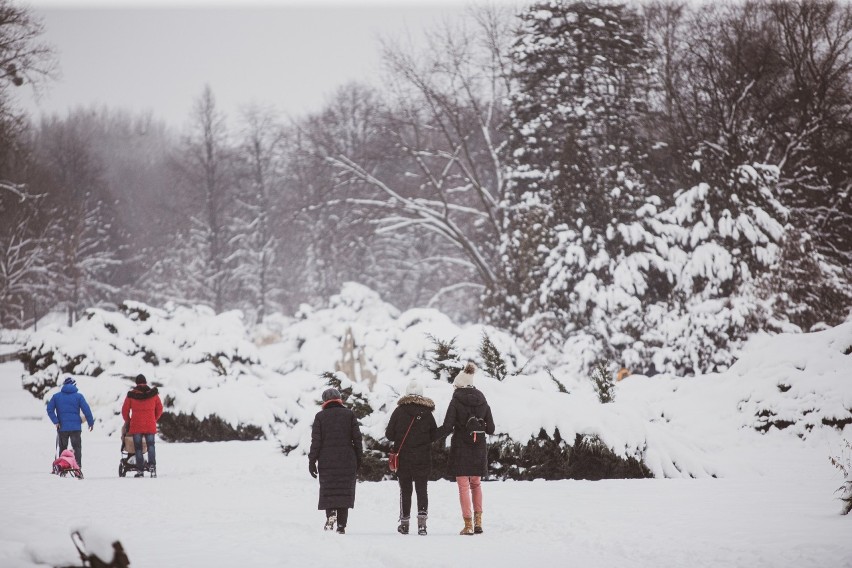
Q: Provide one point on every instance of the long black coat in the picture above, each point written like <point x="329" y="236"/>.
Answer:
<point x="336" y="447"/>
<point x="415" y="458"/>
<point x="466" y="459"/>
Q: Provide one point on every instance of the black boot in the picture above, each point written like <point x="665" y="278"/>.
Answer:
<point x="421" y="523"/>
<point x="403" y="526"/>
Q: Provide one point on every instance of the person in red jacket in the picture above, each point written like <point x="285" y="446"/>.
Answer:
<point x="142" y="409"/>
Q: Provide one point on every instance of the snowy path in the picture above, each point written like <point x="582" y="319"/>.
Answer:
<point x="244" y="504"/>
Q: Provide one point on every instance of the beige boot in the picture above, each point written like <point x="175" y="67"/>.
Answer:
<point x="477" y="523"/>
<point x="468" y="526"/>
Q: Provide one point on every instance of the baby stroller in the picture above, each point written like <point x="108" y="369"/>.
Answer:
<point x="128" y="455"/>
<point x="66" y="465"/>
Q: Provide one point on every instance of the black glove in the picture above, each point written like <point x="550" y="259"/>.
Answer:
<point x="312" y="467"/>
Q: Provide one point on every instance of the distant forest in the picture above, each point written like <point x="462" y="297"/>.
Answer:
<point x="655" y="181"/>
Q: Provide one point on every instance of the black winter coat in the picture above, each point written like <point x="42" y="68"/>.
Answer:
<point x="467" y="458"/>
<point x="415" y="458"/>
<point x="336" y="447"/>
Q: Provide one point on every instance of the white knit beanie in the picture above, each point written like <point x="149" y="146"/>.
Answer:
<point x="465" y="377"/>
<point x="414" y="388"/>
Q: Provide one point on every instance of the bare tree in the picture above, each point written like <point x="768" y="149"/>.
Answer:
<point x="444" y="119"/>
<point x="812" y="141"/>
<point x="207" y="164"/>
<point x="85" y="239"/>
<point x="85" y="258"/>
<point x="770" y="82"/>
<point x="262" y="160"/>
<point x="333" y="232"/>
<point x="24" y="58"/>
<point x="27" y="264"/>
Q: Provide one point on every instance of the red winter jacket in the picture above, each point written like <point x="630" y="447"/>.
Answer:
<point x="142" y="407"/>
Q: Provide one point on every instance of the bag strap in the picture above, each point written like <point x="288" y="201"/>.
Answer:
<point x="473" y="415"/>
<point x="399" y="449"/>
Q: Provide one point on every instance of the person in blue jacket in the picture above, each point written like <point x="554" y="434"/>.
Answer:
<point x="64" y="411"/>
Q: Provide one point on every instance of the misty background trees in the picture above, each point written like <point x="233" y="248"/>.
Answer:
<point x="655" y="182"/>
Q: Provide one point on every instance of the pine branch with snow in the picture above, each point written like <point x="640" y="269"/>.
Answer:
<point x="442" y="360"/>
<point x="603" y="381"/>
<point x="843" y="463"/>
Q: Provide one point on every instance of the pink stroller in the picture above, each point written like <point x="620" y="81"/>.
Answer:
<point x="66" y="464"/>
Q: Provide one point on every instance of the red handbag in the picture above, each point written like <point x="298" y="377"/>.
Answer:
<point x="393" y="457"/>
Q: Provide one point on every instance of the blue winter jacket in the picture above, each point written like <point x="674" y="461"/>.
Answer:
<point x="64" y="409"/>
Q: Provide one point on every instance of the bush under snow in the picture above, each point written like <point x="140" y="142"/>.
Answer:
<point x="218" y="383"/>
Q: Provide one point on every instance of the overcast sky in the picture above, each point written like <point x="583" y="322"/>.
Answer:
<point x="142" y="55"/>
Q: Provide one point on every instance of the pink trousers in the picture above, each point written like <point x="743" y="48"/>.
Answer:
<point x="470" y="487"/>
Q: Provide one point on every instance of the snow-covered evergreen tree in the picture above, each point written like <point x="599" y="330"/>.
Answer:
<point x="601" y="249"/>
<point x="581" y="84"/>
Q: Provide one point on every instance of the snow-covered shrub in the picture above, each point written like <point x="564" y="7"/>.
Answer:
<point x="592" y="459"/>
<point x="182" y="427"/>
<point x="550" y="457"/>
<point x="843" y="462"/>
<point x="542" y="409"/>
<point x="796" y="382"/>
<point x="194" y="356"/>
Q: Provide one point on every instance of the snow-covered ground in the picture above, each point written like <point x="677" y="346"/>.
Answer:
<point x="245" y="504"/>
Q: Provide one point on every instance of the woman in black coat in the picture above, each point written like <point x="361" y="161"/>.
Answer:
<point x="468" y="460"/>
<point x="336" y="451"/>
<point x="412" y="421"/>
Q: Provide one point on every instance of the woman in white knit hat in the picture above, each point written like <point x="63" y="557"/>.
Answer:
<point x="412" y="421"/>
<point x="468" y="418"/>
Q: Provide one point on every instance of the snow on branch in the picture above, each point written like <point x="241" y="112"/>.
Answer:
<point x="434" y="215"/>
<point x="16" y="189"/>
<point x="433" y="301"/>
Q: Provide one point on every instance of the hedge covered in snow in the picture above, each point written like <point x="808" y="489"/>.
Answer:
<point x="222" y="381"/>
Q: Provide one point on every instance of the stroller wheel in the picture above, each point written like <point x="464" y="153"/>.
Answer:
<point x="121" y="470"/>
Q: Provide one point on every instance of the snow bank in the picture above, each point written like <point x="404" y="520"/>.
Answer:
<point x="209" y="365"/>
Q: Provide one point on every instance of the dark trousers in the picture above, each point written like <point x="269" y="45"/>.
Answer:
<point x="152" y="452"/>
<point x="76" y="444"/>
<point x="342" y="515"/>
<point x="405" y="484"/>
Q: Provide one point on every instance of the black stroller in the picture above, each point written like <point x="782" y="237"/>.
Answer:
<point x="128" y="455"/>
